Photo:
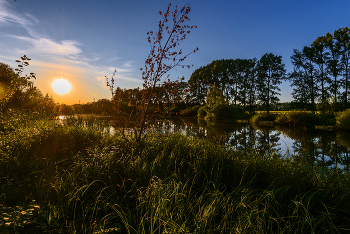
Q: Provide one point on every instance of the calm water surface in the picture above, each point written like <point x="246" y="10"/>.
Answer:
<point x="322" y="147"/>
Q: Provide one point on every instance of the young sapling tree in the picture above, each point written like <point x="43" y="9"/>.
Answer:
<point x="164" y="55"/>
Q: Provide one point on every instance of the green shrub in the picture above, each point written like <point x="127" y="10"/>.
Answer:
<point x="224" y="111"/>
<point x="170" y="111"/>
<point x="175" y="110"/>
<point x="263" y="116"/>
<point x="300" y="118"/>
<point x="326" y="107"/>
<point x="191" y="111"/>
<point x="343" y="120"/>
<point x="327" y="119"/>
<point x="202" y="112"/>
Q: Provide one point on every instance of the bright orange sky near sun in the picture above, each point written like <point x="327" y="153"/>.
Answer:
<point x="83" y="89"/>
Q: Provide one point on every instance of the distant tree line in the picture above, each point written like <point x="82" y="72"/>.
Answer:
<point x="247" y="82"/>
<point x="320" y="77"/>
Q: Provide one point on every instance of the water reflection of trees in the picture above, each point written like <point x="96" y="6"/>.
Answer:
<point x="318" y="147"/>
<point x="321" y="147"/>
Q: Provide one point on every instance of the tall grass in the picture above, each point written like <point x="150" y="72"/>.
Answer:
<point x="88" y="181"/>
<point x="300" y="118"/>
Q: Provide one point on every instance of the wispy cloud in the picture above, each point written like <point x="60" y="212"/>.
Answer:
<point x="46" y="46"/>
<point x="9" y="16"/>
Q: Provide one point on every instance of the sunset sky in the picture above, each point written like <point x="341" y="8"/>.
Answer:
<point x="82" y="41"/>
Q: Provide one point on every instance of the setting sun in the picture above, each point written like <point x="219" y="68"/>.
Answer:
<point x="61" y="86"/>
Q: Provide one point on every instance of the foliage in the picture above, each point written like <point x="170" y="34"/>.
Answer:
<point x="7" y="83"/>
<point x="342" y="37"/>
<point x="17" y="84"/>
<point x="17" y="91"/>
<point x="163" y="57"/>
<point x="326" y="107"/>
<point x="304" y="77"/>
<point x="271" y="72"/>
<point x="190" y="111"/>
<point x="300" y="118"/>
<point x="235" y="77"/>
<point x="218" y="108"/>
<point x="262" y="117"/>
<point x="329" y="62"/>
<point x="202" y="112"/>
<point x="343" y="119"/>
<point x="215" y="97"/>
<point x="321" y="71"/>
<point x="327" y="119"/>
<point x="224" y="111"/>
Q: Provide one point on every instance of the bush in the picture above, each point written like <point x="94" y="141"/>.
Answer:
<point x="300" y="118"/>
<point x="326" y="119"/>
<point x="343" y="120"/>
<point x="224" y="111"/>
<point x="263" y="116"/>
<point x="175" y="110"/>
<point x="326" y="107"/>
<point x="202" y="112"/>
<point x="190" y="111"/>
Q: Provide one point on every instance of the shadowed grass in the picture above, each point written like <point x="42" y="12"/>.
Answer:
<point x="343" y="120"/>
<point x="300" y="118"/>
<point x="87" y="181"/>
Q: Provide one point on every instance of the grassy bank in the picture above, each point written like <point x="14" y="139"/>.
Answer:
<point x="303" y="118"/>
<point x="78" y="178"/>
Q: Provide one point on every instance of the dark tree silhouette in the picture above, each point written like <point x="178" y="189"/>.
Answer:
<point x="271" y="72"/>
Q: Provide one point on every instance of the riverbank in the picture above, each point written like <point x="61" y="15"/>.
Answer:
<point x="73" y="178"/>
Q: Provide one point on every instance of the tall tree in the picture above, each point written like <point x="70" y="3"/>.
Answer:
<point x="271" y="72"/>
<point x="304" y="77"/>
<point x="198" y="86"/>
<point x="218" y="72"/>
<point x="321" y="57"/>
<point x="235" y="77"/>
<point x="333" y="66"/>
<point x="215" y="97"/>
<point x="342" y="37"/>
<point x="222" y="75"/>
<point x="246" y="72"/>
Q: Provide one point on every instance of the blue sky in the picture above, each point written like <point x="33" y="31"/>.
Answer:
<point x="82" y="41"/>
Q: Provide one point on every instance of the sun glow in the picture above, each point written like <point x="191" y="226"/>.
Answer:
<point x="61" y="86"/>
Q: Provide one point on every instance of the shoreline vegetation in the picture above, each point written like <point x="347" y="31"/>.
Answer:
<point x="231" y="114"/>
<point x="78" y="178"/>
